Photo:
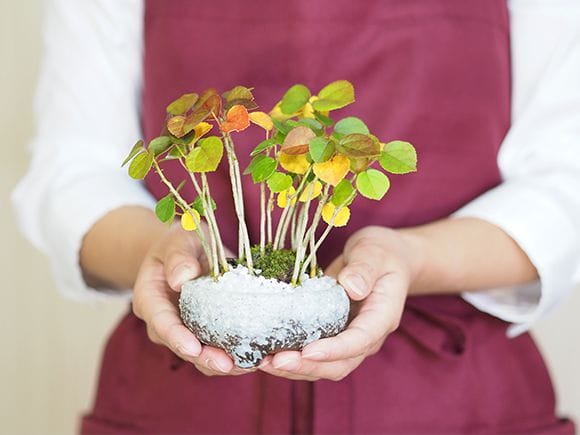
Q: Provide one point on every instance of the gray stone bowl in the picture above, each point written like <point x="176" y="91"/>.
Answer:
<point x="250" y="317"/>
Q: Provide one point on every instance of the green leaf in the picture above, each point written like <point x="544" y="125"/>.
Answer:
<point x="262" y="146"/>
<point x="160" y="144"/>
<point x="350" y="125"/>
<point x="398" y="157"/>
<point x="334" y="96"/>
<point x="294" y="99"/>
<point x="206" y="156"/>
<point x="321" y="149"/>
<point x="141" y="165"/>
<point x="281" y="126"/>
<point x="261" y="167"/>
<point x="136" y="148"/>
<point x="358" y="145"/>
<point x="238" y="93"/>
<point x="342" y="194"/>
<point x="182" y="104"/>
<point x="197" y="205"/>
<point x="177" y="152"/>
<point x="372" y="184"/>
<point x="324" y="120"/>
<point x="165" y="208"/>
<point x="279" y="182"/>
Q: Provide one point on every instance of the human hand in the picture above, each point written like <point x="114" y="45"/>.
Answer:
<point x="376" y="269"/>
<point x="174" y="259"/>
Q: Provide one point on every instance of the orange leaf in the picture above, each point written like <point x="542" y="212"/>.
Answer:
<point x="296" y="142"/>
<point x="332" y="171"/>
<point x="237" y="119"/>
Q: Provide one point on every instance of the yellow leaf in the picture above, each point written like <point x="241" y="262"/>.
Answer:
<point x="282" y="199"/>
<point x="308" y="110"/>
<point x="277" y="113"/>
<point x="332" y="171"/>
<point x="237" y="119"/>
<point x="341" y="218"/>
<point x="316" y="190"/>
<point x="297" y="164"/>
<point x="190" y="220"/>
<point x="262" y="119"/>
<point x="201" y="129"/>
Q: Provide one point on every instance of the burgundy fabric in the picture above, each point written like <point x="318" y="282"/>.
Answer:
<point x="434" y="72"/>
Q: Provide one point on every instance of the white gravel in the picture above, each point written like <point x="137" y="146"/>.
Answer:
<point x="251" y="316"/>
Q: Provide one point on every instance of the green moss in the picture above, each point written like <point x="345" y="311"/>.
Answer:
<point x="278" y="264"/>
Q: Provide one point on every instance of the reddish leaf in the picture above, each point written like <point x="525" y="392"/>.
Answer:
<point x="296" y="142"/>
<point x="237" y="119"/>
<point x="175" y="125"/>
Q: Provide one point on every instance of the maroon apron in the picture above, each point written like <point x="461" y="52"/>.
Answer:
<point x="434" y="72"/>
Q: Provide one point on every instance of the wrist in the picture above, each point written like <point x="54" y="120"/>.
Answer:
<point x="416" y="254"/>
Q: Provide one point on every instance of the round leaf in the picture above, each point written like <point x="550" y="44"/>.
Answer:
<point x="350" y="125"/>
<point x="321" y="149"/>
<point x="165" y="208"/>
<point x="262" y="119"/>
<point x="206" y="156"/>
<point x="237" y="119"/>
<point x="263" y="146"/>
<point x="141" y="165"/>
<point x="333" y="170"/>
<point x="190" y="220"/>
<point x="297" y="164"/>
<point x="310" y="191"/>
<point x="399" y="157"/>
<point x="282" y="200"/>
<point x="279" y="182"/>
<point x="334" y="96"/>
<point x="134" y="151"/>
<point x="182" y="104"/>
<point x="297" y="139"/>
<point x="343" y="193"/>
<point x="160" y="144"/>
<point x="372" y="184"/>
<point x="340" y="219"/>
<point x="263" y="168"/>
<point x="294" y="99"/>
<point x="358" y="145"/>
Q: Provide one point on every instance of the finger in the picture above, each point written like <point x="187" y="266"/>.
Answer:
<point x="311" y="370"/>
<point x="180" y="265"/>
<point x="167" y="325"/>
<point x="334" y="268"/>
<point x="364" y="263"/>
<point x="378" y="316"/>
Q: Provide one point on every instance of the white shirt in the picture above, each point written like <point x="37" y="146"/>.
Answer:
<point x="87" y="111"/>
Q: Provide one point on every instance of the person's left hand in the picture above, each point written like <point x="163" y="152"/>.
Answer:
<point x="376" y="268"/>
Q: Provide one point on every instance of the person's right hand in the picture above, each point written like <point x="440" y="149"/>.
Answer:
<point x="174" y="259"/>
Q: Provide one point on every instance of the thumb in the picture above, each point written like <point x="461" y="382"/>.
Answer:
<point x="364" y="265"/>
<point x="180" y="265"/>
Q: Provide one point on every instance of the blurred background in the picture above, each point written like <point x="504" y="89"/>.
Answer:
<point x="51" y="347"/>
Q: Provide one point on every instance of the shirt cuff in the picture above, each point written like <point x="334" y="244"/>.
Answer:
<point x="66" y="217"/>
<point x="536" y="221"/>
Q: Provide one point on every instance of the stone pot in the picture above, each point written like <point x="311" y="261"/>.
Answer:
<point x="250" y="316"/>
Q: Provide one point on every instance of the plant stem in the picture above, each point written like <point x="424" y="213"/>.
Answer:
<point x="301" y="248"/>
<point x="284" y="221"/>
<point x="209" y="212"/>
<point x="269" y="209"/>
<point x="185" y="206"/>
<point x="262" y="218"/>
<point x="236" y="181"/>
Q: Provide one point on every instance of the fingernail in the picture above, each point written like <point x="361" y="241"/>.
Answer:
<point x="355" y="283"/>
<point x="287" y="364"/>
<point x="315" y="355"/>
<point x="182" y="274"/>
<point x="215" y="366"/>
<point x="188" y="350"/>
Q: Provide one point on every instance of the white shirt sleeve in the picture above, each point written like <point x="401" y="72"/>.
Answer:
<point x="87" y="120"/>
<point x="538" y="202"/>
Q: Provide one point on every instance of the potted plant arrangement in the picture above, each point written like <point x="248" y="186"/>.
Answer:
<point x="273" y="296"/>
